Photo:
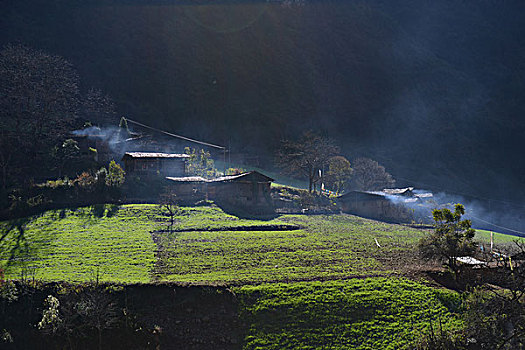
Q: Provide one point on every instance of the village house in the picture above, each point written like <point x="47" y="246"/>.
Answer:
<point x="372" y="205"/>
<point x="151" y="164"/>
<point x="250" y="190"/>
<point x="390" y="204"/>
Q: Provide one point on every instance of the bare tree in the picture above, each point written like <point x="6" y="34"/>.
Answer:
<point x="306" y="157"/>
<point x="370" y="176"/>
<point x="168" y="204"/>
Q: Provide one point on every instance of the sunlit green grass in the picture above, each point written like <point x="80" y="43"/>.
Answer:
<point x="78" y="245"/>
<point x="116" y="244"/>
<point x="373" y="313"/>
<point x="499" y="238"/>
<point x="327" y="247"/>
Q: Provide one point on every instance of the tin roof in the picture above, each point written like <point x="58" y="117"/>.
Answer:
<point x="154" y="155"/>
<point x="249" y="176"/>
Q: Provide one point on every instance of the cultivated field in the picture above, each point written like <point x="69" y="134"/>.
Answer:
<point x="372" y="313"/>
<point x="131" y="243"/>
<point x="302" y="282"/>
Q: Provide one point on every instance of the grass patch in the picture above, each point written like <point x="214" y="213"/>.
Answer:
<point x="328" y="247"/>
<point x="115" y="244"/>
<point x="373" y="313"/>
<point x="499" y="238"/>
<point x="130" y="244"/>
<point x="85" y="244"/>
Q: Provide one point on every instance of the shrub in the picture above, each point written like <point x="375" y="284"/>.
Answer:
<point x="85" y="181"/>
<point x="115" y="176"/>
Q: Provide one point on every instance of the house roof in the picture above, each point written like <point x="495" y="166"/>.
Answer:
<point x="248" y="176"/>
<point x="468" y="260"/>
<point x="362" y="194"/>
<point x="254" y="176"/>
<point x="154" y="155"/>
<point x="398" y="191"/>
<point x="187" y="179"/>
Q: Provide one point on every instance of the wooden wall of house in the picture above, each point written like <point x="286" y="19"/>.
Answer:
<point x="381" y="209"/>
<point x="241" y="193"/>
<point x="165" y="167"/>
<point x="189" y="192"/>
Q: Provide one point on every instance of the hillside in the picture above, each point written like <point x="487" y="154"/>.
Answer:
<point x="330" y="282"/>
<point x="130" y="244"/>
<point x="392" y="80"/>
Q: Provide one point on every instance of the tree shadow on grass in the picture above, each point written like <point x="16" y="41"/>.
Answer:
<point x="18" y="249"/>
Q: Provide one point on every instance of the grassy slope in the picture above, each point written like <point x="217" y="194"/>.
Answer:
<point x="76" y="245"/>
<point x="328" y="247"/>
<point x="499" y="238"/>
<point x="373" y="313"/>
<point x="363" y="313"/>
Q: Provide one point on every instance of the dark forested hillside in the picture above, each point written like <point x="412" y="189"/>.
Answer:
<point x="431" y="89"/>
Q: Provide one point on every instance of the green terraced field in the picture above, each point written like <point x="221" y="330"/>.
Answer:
<point x="130" y="244"/>
<point x="116" y="244"/>
<point x="327" y="247"/>
<point x="335" y="287"/>
<point x="82" y="245"/>
<point x="372" y="313"/>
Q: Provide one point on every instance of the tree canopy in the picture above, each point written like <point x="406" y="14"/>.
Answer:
<point x="39" y="99"/>
<point x="306" y="157"/>
<point x="368" y="175"/>
<point x="339" y="173"/>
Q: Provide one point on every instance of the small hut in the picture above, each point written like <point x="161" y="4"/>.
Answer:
<point x="373" y="205"/>
<point x="147" y="164"/>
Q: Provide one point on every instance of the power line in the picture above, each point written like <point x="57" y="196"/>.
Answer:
<point x="503" y="227"/>
<point x="174" y="135"/>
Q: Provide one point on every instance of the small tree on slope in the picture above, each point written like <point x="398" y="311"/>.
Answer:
<point x="451" y="238"/>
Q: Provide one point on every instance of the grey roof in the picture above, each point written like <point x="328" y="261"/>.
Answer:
<point x="187" y="179"/>
<point x="398" y="190"/>
<point x="226" y="178"/>
<point x="155" y="155"/>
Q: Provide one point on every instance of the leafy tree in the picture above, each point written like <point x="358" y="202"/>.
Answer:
<point x="451" y="238"/>
<point x="200" y="163"/>
<point x="65" y="153"/>
<point x="39" y="104"/>
<point x="370" y="176"/>
<point x="115" y="176"/>
<point x="338" y="174"/>
<point x="50" y="315"/>
<point x="306" y="156"/>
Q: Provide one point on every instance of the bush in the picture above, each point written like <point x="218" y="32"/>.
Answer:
<point x="85" y="181"/>
<point x="115" y="176"/>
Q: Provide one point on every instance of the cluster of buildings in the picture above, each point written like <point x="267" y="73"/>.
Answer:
<point x="250" y="190"/>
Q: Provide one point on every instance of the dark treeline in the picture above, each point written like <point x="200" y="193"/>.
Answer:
<point x="432" y="90"/>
